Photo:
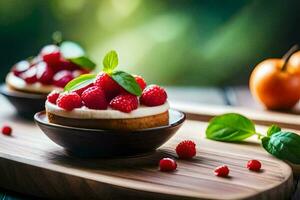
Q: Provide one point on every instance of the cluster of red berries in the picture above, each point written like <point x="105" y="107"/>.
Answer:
<point x="49" y="67"/>
<point x="106" y="92"/>
<point x="187" y="150"/>
<point x="223" y="171"/>
<point x="6" y="130"/>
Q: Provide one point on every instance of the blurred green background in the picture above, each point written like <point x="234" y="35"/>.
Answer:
<point x="170" y="42"/>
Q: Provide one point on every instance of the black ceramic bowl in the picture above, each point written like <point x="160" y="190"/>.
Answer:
<point x="26" y="104"/>
<point x="106" y="143"/>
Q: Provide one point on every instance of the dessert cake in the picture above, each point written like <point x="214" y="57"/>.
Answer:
<point x="51" y="69"/>
<point x="109" y="100"/>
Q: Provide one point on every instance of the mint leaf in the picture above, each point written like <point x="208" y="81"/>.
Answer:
<point x="273" y="129"/>
<point x="71" y="50"/>
<point x="231" y="127"/>
<point x="283" y="145"/>
<point x="80" y="82"/>
<point x="110" y="62"/>
<point x="83" y="62"/>
<point x="127" y="81"/>
<point x="74" y="53"/>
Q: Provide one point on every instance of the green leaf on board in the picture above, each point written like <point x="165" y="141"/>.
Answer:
<point x="230" y="127"/>
<point x="283" y="145"/>
<point x="273" y="129"/>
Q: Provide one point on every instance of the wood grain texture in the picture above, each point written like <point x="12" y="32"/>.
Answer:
<point x="263" y="117"/>
<point x="30" y="163"/>
<point x="296" y="193"/>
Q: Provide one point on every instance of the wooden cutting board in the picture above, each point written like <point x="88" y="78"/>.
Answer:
<point x="288" y="121"/>
<point x="30" y="163"/>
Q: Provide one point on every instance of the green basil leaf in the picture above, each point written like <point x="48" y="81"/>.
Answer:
<point x="273" y="129"/>
<point x="283" y="145"/>
<point x="74" y="53"/>
<point x="83" y="62"/>
<point x="80" y="82"/>
<point x="127" y="81"/>
<point x="110" y="61"/>
<point x="71" y="50"/>
<point x="231" y="127"/>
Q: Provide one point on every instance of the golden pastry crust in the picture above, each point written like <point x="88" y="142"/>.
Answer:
<point x="11" y="87"/>
<point x="113" y="124"/>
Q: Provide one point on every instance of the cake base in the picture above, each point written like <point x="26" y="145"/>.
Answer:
<point x="11" y="87"/>
<point x="161" y="119"/>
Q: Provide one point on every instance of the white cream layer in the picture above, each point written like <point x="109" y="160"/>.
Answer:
<point x="86" y="113"/>
<point x="20" y="84"/>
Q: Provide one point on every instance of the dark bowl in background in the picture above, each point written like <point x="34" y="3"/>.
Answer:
<point x="26" y="104"/>
<point x="108" y="143"/>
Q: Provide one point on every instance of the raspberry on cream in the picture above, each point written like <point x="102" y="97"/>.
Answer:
<point x="94" y="98"/>
<point x="19" y="84"/>
<point x="50" y="69"/>
<point x="124" y="102"/>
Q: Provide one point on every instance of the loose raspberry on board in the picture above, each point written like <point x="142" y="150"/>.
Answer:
<point x="222" y="171"/>
<point x="167" y="165"/>
<point x="253" y="165"/>
<point x="186" y="149"/>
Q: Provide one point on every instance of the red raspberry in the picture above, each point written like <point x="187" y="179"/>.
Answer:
<point x="61" y="78"/>
<point x="6" y="130"/>
<point x="44" y="73"/>
<point x="153" y="96"/>
<point x="69" y="101"/>
<point x="50" y="54"/>
<point x="110" y="87"/>
<point x="124" y="103"/>
<point x="81" y="90"/>
<point x="20" y="67"/>
<point x="186" y="149"/>
<point x="222" y="171"/>
<point x="29" y="76"/>
<point x="167" y="164"/>
<point x="52" y="97"/>
<point x="94" y="98"/>
<point x="140" y="81"/>
<point x="253" y="165"/>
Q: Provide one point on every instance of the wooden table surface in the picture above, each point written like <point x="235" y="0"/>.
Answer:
<point x="234" y="96"/>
